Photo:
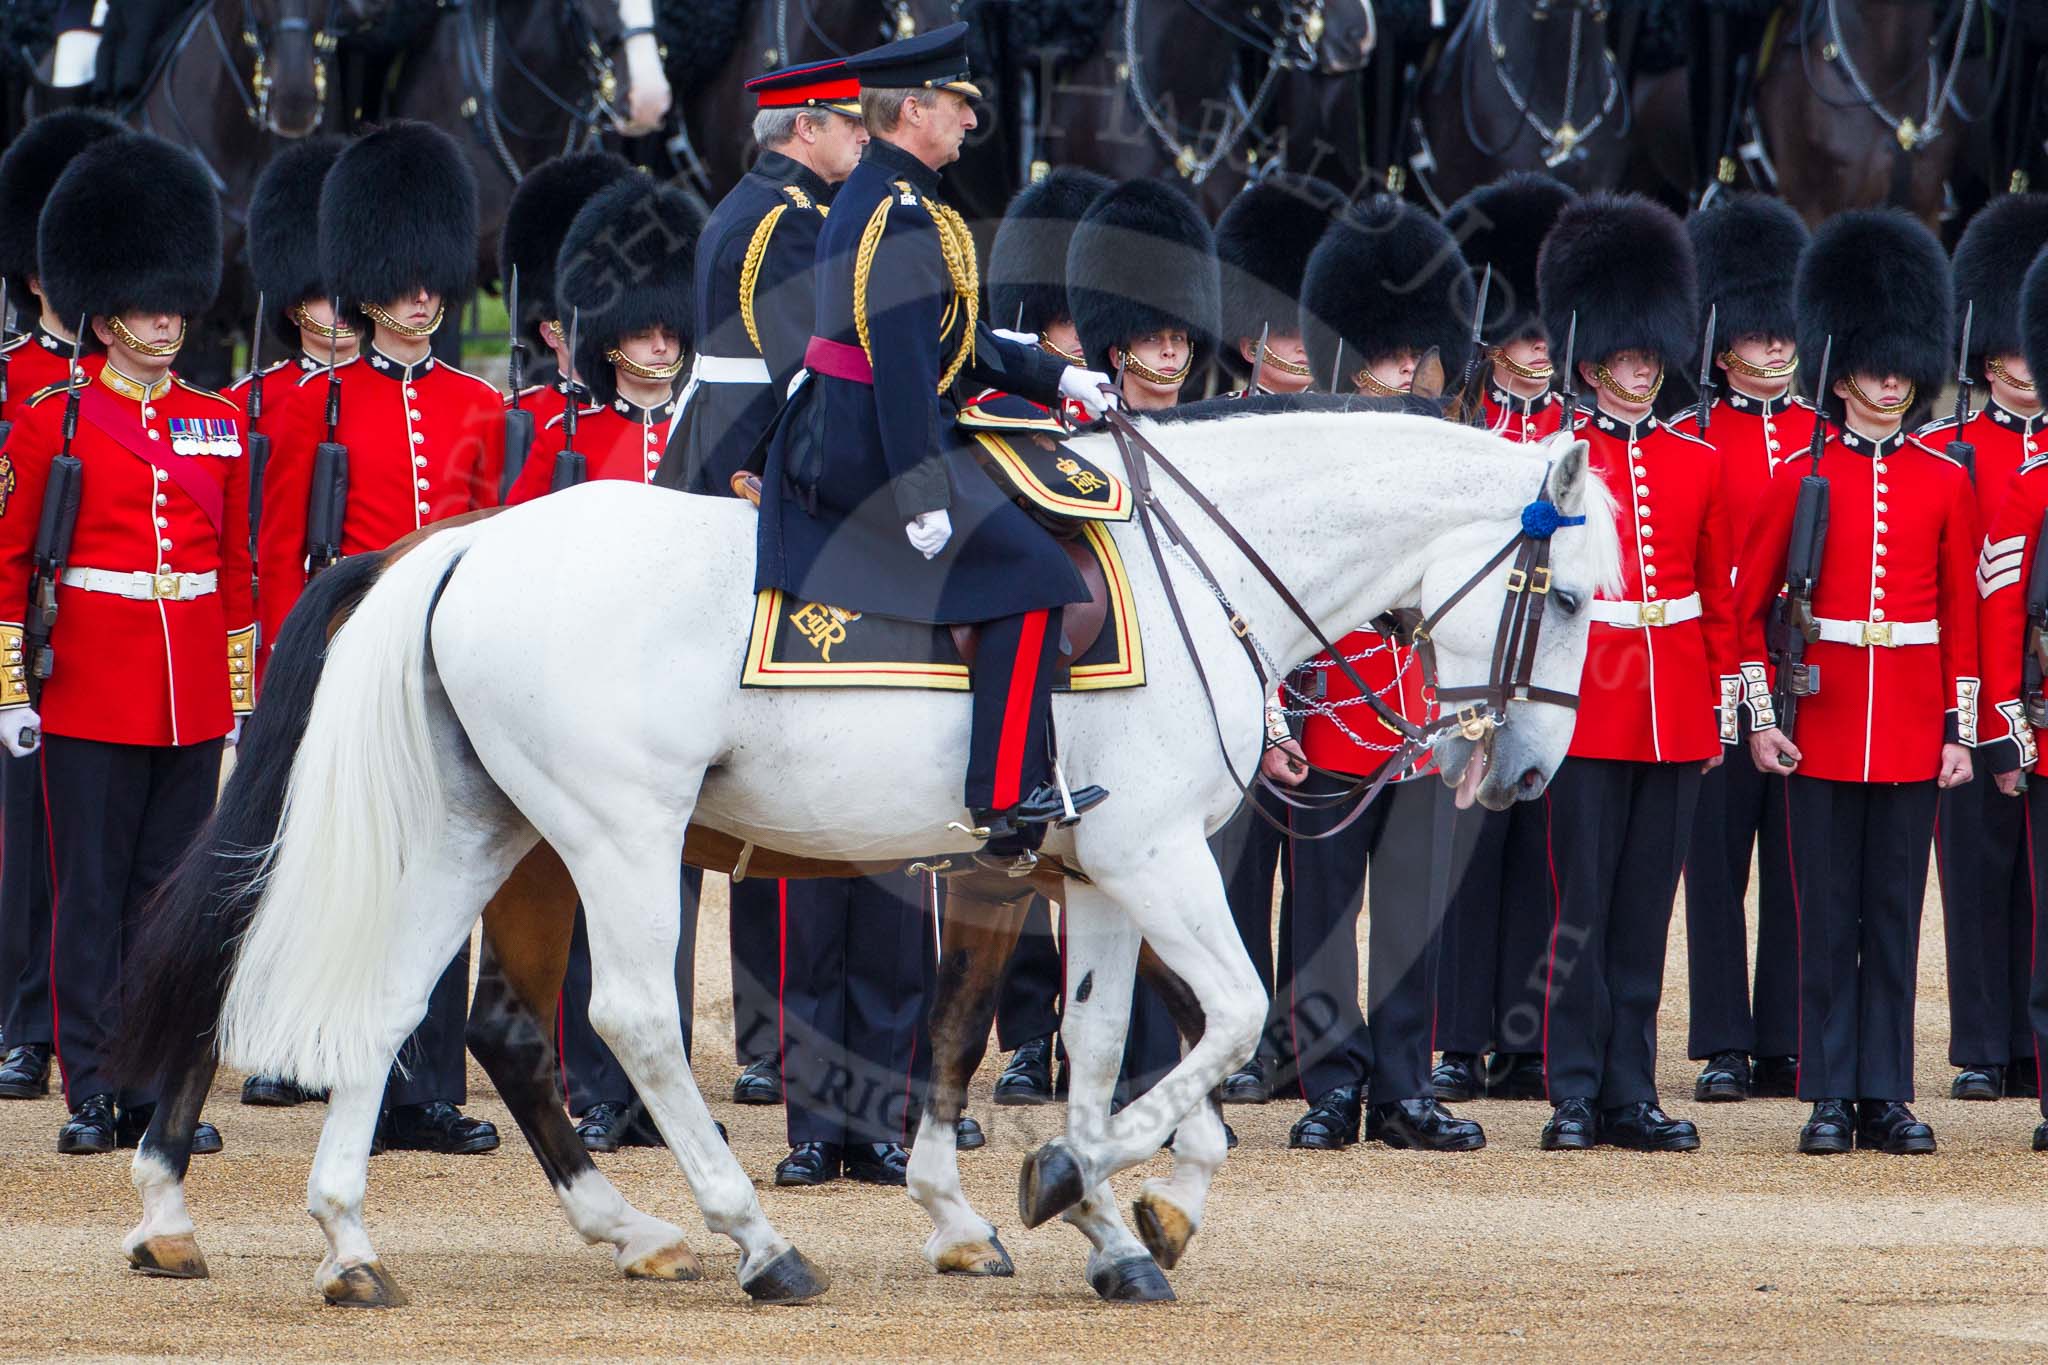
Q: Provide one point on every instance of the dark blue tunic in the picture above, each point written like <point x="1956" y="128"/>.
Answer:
<point x="851" y="463"/>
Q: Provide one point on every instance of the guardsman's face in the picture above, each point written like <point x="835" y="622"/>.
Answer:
<point x="839" y="144"/>
<point x="1633" y="371"/>
<point x="1531" y="353"/>
<point x="315" y="342"/>
<point x="656" y="348"/>
<point x="2014" y="388"/>
<point x="151" y="329"/>
<point x="1163" y="352"/>
<point x="414" y="309"/>
<point x="1061" y="334"/>
<point x="1766" y="353"/>
<point x="1396" y="371"/>
<point x="1889" y="390"/>
<point x="1289" y="347"/>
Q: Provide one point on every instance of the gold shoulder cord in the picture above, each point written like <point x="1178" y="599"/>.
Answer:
<point x="863" y="265"/>
<point x="956" y="244"/>
<point x="750" y="272"/>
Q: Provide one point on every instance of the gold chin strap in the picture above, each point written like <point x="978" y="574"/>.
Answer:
<point x="1996" y="368"/>
<point x="1297" y="369"/>
<point x="1606" y="380"/>
<point x="384" y="319"/>
<point x="1741" y="366"/>
<point x="1133" y="365"/>
<point x="1514" y="367"/>
<point x="1365" y="381"/>
<point x="1071" y="357"/>
<point x="340" y="331"/>
<point x="552" y="332"/>
<point x="639" y="371"/>
<point x="1887" y="409"/>
<point x="154" y="350"/>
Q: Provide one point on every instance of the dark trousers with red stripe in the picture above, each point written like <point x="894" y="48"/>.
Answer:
<point x="1028" y="1005"/>
<point x="1740" y="811"/>
<point x="2035" y="803"/>
<point x="1859" y="877"/>
<point x="756" y="947"/>
<point x="1009" y="751"/>
<point x="1618" y="836"/>
<point x="853" y="1002"/>
<point x="24" y="904"/>
<point x="1396" y="854"/>
<point x="1496" y="936"/>
<point x="590" y="1073"/>
<point x="120" y="816"/>
<point x="1987" y="907"/>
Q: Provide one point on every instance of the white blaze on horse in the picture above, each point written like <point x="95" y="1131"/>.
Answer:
<point x="648" y="96"/>
<point x="487" y="694"/>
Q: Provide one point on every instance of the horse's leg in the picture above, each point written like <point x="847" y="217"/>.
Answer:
<point x="979" y="934"/>
<point x="163" y="1243"/>
<point x="1102" y="957"/>
<point x="1175" y="899"/>
<point x="511" y="1030"/>
<point x="631" y="879"/>
<point x="1169" y="1211"/>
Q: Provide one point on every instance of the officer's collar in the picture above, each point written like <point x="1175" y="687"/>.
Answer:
<point x="901" y="165"/>
<point x="787" y="170"/>
<point x="393" y="369"/>
<point x="2006" y="417"/>
<point x="1762" y="407"/>
<point x="633" y="412"/>
<point x="1863" y="445"/>
<point x="133" y="389"/>
<point x="1514" y="402"/>
<point x="307" y="364"/>
<point x="1627" y="431"/>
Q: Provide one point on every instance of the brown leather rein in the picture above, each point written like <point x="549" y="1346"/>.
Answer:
<point x="1514" y="648"/>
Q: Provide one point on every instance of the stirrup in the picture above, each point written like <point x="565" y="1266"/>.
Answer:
<point x="1021" y="864"/>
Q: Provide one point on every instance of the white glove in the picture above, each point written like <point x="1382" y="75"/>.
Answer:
<point x="21" y="730"/>
<point x="1022" y="338"/>
<point x="929" y="532"/>
<point x="1085" y="387"/>
<point x="234" y="735"/>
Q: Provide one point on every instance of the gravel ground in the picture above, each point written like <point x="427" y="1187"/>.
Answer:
<point x="1741" y="1249"/>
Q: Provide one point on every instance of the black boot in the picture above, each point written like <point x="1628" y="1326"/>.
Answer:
<point x="90" y="1130"/>
<point x="1723" y="1080"/>
<point x="131" y="1123"/>
<point x="1517" y="1076"/>
<point x="1028" y="1077"/>
<point x="1248" y="1084"/>
<point x="437" y="1127"/>
<point x="1572" y="1127"/>
<point x="271" y="1093"/>
<point x="1643" y="1127"/>
<point x="1978" y="1083"/>
<point x="809" y="1163"/>
<point x="1457" y="1077"/>
<point x="877" y="1163"/>
<point x="26" y="1073"/>
<point x="1889" y="1126"/>
<point x="1330" y="1124"/>
<point x="1829" y="1130"/>
<point x="1422" y="1125"/>
<point x="760" y="1083"/>
<point x="1774" y="1078"/>
<point x="1014" y="835"/>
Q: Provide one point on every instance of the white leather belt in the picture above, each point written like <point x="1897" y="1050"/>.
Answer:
<point x="1878" y="634"/>
<point x="1637" y="615"/>
<point x="729" y="369"/>
<point x="143" y="587"/>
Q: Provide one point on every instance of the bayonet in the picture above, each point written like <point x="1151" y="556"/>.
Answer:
<point x="1707" y="385"/>
<point x="1959" y="450"/>
<point x="1820" y="401"/>
<point x="257" y="443"/>
<point x="1337" y="368"/>
<point x="1251" y="383"/>
<point x="1567" y="384"/>
<point x="327" y="509"/>
<point x="1471" y="374"/>
<point x="571" y="468"/>
<point x="518" y="421"/>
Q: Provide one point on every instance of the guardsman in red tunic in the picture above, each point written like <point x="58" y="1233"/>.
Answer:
<point x="30" y="363"/>
<point x="425" y="441"/>
<point x="151" y="657"/>
<point x="1897" y="697"/>
<point x="1747" y="247"/>
<point x="1651" y="712"/>
<point x="1496" y="935"/>
<point x="2013" y="714"/>
<point x="1381" y="291"/>
<point x="1980" y="837"/>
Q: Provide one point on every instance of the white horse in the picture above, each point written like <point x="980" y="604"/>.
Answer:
<point x="568" y="671"/>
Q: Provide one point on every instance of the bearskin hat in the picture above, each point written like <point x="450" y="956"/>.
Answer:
<point x="398" y="213"/>
<point x="1386" y="278"/>
<point x="1142" y="259"/>
<point x="28" y="170"/>
<point x="2034" y="314"/>
<point x="1876" y="281"/>
<point x="1027" y="266"/>
<point x="1746" y="247"/>
<point x="1503" y="225"/>
<point x="544" y="204"/>
<point x="625" y="266"/>
<point x="133" y="224"/>
<point x="1995" y="250"/>
<point x="284" y="228"/>
<point x="1263" y="243"/>
<point x="1624" y="264"/>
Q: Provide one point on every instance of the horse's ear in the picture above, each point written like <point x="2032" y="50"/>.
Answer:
<point x="1429" y="376"/>
<point x="1567" y="487"/>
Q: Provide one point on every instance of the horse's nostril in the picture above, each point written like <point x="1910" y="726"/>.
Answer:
<point x="1531" y="779"/>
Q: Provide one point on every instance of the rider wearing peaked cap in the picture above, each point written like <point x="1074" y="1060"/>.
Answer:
<point x="1895" y="608"/>
<point x="1651" y="711"/>
<point x="149" y="664"/>
<point x="1747" y="249"/>
<point x="1503" y="225"/>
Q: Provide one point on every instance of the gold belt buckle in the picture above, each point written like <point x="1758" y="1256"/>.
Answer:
<point x="166" y="585"/>
<point x="1877" y="633"/>
<point x="1652" y="613"/>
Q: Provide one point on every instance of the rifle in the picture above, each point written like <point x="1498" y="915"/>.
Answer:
<point x="59" y="518"/>
<point x="2035" y="666"/>
<point x="1707" y="384"/>
<point x="570" y="466"/>
<point x="327" y="509"/>
<point x="257" y="442"/>
<point x="1959" y="450"/>
<point x="1251" y="383"/>
<point x="1470" y="375"/>
<point x="1792" y="627"/>
<point x="518" y="421"/>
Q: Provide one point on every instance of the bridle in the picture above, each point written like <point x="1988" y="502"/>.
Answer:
<point x="1485" y="709"/>
<point x="478" y="54"/>
<point x="1911" y="134"/>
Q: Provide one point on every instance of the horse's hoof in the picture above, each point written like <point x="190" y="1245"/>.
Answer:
<point x="1049" y="1184"/>
<point x="174" y="1258"/>
<point x="789" y="1278"/>
<point x="1163" y="1227"/>
<point x="673" y="1262"/>
<point x="367" y="1284"/>
<point x="989" y="1258"/>
<point x="1138" y="1280"/>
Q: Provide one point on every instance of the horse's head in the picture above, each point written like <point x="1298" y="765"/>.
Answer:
<point x="1512" y="760"/>
<point x="289" y="43"/>
<point x="1346" y="31"/>
<point x="623" y="30"/>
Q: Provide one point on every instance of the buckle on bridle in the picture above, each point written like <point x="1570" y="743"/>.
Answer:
<point x="1542" y="580"/>
<point x="1518" y="580"/>
<point x="1239" y="626"/>
<point x="1474" y="722"/>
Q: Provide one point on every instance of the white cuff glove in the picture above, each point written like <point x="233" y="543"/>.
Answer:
<point x="929" y="532"/>
<point x="1085" y="387"/>
<point x="21" y="730"/>
<point x="1022" y="338"/>
<point x="235" y="735"/>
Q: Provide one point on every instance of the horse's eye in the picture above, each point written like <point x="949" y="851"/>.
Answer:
<point x="1567" y="601"/>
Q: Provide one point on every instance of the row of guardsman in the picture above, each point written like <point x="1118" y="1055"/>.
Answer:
<point x="1823" y="631"/>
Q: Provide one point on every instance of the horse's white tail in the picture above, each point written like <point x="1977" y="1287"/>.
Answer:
<point x="307" y="999"/>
